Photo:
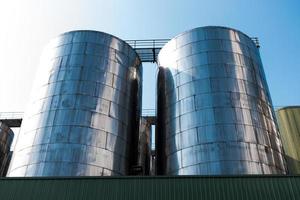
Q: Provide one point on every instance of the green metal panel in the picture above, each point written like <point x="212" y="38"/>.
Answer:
<point x="148" y="188"/>
<point x="289" y="126"/>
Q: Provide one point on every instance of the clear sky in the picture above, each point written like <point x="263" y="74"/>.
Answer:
<point x="27" y="25"/>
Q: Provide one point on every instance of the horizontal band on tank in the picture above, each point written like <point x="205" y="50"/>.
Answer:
<point x="221" y="85"/>
<point x="202" y="101"/>
<point x="219" y="168"/>
<point x="172" y="130"/>
<point x="216" y="71"/>
<point x="103" y="162"/>
<point x="186" y="90"/>
<point x="209" y="163"/>
<point x="236" y="113"/>
<point x="110" y="108"/>
<point x="95" y="138"/>
<point x="88" y="89"/>
<point x="109" y="93"/>
<point x="73" y="137"/>
<point x="104" y="171"/>
<point x="109" y="112"/>
<point x="65" y="102"/>
<point x="180" y="144"/>
<point x="90" y="36"/>
<point x="91" y="49"/>
<point x="225" y="152"/>
<point x="67" y="152"/>
<point x="210" y="122"/>
<point x="176" y="141"/>
<point x="78" y="74"/>
<point x="45" y="153"/>
<point x="63" y="60"/>
<point x="213" y="27"/>
<point x="235" y="35"/>
<point x="78" y="87"/>
<point x="206" y="58"/>
<point x="102" y="127"/>
<point x="88" y="61"/>
<point x="206" y="91"/>
<point x="238" y="96"/>
<point x="210" y="46"/>
<point x="198" y="102"/>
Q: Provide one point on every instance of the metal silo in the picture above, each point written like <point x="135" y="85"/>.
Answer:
<point x="214" y="109"/>
<point x="85" y="110"/>
<point x="6" y="138"/>
<point x="289" y="126"/>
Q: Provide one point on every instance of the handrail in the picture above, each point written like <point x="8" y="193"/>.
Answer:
<point x="153" y="43"/>
<point x="11" y="115"/>
<point x="148" y="112"/>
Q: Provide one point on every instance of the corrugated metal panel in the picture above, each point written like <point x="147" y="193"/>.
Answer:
<point x="148" y="188"/>
<point x="289" y="126"/>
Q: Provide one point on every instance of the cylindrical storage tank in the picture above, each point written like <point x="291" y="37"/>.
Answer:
<point x="85" y="109"/>
<point x="214" y="110"/>
<point x="289" y="127"/>
<point x="6" y="138"/>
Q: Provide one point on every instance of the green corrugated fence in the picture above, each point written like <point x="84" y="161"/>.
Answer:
<point x="148" y="188"/>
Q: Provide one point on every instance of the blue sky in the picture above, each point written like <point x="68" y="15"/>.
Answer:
<point x="26" y="26"/>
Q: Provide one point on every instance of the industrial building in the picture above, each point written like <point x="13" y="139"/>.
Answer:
<point x="84" y="133"/>
<point x="152" y="187"/>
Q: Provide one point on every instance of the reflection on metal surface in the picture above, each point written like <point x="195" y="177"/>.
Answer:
<point x="6" y="138"/>
<point x="289" y="126"/>
<point x="214" y="108"/>
<point x="84" y="111"/>
<point x="142" y="166"/>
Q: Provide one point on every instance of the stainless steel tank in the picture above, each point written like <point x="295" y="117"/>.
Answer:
<point x="6" y="138"/>
<point x="289" y="127"/>
<point x="85" y="109"/>
<point x="214" y="110"/>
